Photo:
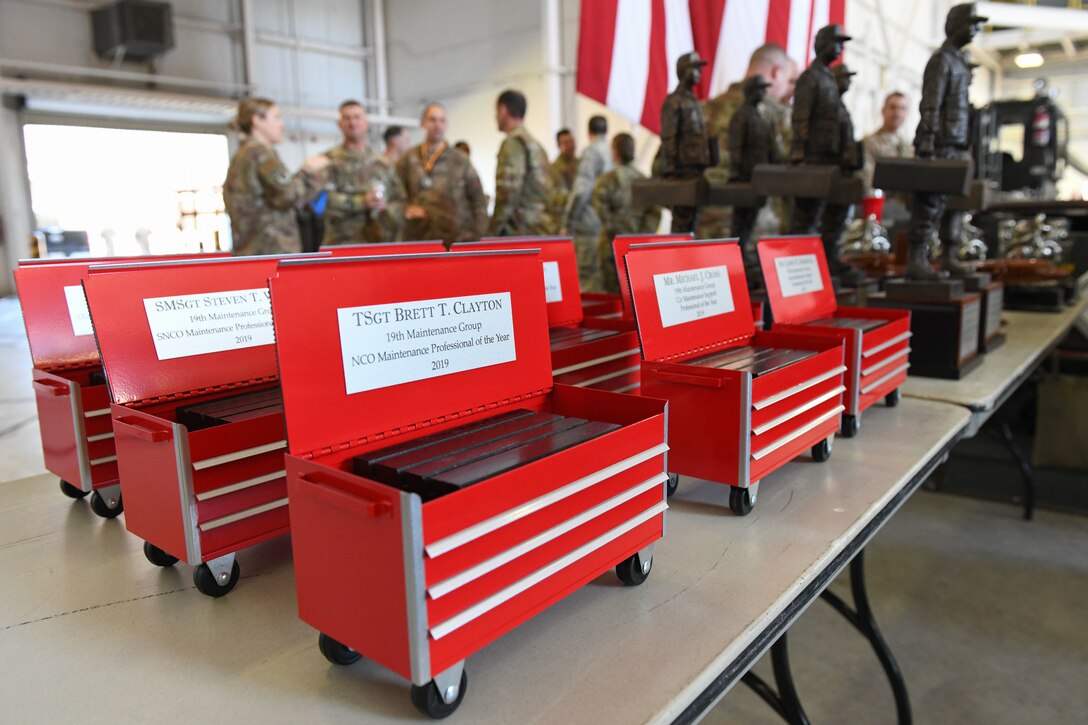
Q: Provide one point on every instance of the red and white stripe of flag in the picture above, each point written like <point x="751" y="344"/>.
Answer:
<point x="627" y="49"/>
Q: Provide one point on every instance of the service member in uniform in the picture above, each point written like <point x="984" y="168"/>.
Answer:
<point x="366" y="198"/>
<point x="523" y="185"/>
<point x="817" y="122"/>
<point x="886" y="141"/>
<point x="565" y="165"/>
<point x="685" y="152"/>
<point x="943" y="133"/>
<point x="260" y="193"/>
<point x="578" y="218"/>
<point x="618" y="214"/>
<point x="771" y="63"/>
<point x="445" y="199"/>
<point x="397" y="142"/>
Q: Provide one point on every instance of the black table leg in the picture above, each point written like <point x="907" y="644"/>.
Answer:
<point x="861" y="616"/>
<point x="1025" y="470"/>
<point x="785" y="701"/>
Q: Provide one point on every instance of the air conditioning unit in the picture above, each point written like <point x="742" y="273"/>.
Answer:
<point x="133" y="30"/>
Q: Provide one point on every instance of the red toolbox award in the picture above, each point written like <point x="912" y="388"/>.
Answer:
<point x="375" y="248"/>
<point x="190" y="356"/>
<point x="587" y="352"/>
<point x="442" y="489"/>
<point x="877" y="341"/>
<point x="69" y="386"/>
<point x="741" y="403"/>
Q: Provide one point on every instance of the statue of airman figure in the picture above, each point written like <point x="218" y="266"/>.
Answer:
<point x="685" y="151"/>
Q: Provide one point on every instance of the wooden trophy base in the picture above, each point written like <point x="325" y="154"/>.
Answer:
<point x="944" y="323"/>
<point x="990" y="336"/>
<point x="1042" y="297"/>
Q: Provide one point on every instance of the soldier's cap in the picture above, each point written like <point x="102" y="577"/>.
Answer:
<point x="842" y="70"/>
<point x="831" y="33"/>
<point x="688" y="60"/>
<point x="756" y="81"/>
<point x="966" y="12"/>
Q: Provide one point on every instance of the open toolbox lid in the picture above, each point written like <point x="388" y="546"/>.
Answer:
<point x="562" y="290"/>
<point x="372" y="249"/>
<point x="168" y="328"/>
<point x="798" y="282"/>
<point x="620" y="245"/>
<point x="348" y="333"/>
<point x="58" y="325"/>
<point x="688" y="296"/>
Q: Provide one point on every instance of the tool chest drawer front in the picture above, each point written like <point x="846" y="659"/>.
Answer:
<point x="791" y="412"/>
<point x="562" y="291"/>
<point x="233" y="531"/>
<point x="358" y="358"/>
<point x="609" y="346"/>
<point x="797" y="278"/>
<point x="371" y="250"/>
<point x="609" y="375"/>
<point x="166" y="329"/>
<point x="796" y="381"/>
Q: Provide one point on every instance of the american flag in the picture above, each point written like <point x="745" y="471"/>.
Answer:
<point x="627" y="49"/>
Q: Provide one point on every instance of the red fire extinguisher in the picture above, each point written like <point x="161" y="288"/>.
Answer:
<point x="1040" y="126"/>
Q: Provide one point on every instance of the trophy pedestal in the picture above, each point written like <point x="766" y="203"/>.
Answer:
<point x="945" y="324"/>
<point x="990" y="336"/>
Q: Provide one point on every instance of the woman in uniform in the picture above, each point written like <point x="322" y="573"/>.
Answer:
<point x="260" y="193"/>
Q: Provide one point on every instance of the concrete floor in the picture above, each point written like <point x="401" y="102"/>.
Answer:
<point x="985" y="613"/>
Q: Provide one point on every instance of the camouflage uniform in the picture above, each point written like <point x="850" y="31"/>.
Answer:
<point x="774" y="216"/>
<point x="562" y="171"/>
<point x="260" y="195"/>
<point x="882" y="145"/>
<point x="453" y="198"/>
<point x="618" y="215"/>
<point x="523" y="188"/>
<point x="351" y="174"/>
<point x="578" y="216"/>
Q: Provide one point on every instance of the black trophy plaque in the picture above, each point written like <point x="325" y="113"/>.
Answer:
<point x="990" y="336"/>
<point x="945" y="325"/>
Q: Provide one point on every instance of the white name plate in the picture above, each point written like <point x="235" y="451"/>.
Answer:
<point x="693" y="294"/>
<point x="200" y="324"/>
<point x="798" y="275"/>
<point x="553" y="290"/>
<point x="401" y="342"/>
<point x="77" y="310"/>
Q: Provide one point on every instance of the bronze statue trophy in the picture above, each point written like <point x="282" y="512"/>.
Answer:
<point x="815" y="176"/>
<point x="751" y="142"/>
<point x="685" y="150"/>
<point x="945" y="319"/>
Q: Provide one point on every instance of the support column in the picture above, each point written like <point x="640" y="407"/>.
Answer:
<point x="16" y="218"/>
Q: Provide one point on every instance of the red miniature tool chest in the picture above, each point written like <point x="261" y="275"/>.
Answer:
<point x="69" y="386"/>
<point x="594" y="304"/>
<point x="586" y="352"/>
<point x="383" y="353"/>
<point x="802" y="300"/>
<point x="369" y="250"/>
<point x="741" y="402"/>
<point x="181" y="336"/>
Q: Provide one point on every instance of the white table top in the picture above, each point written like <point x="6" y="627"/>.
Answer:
<point x="1030" y="336"/>
<point x="91" y="631"/>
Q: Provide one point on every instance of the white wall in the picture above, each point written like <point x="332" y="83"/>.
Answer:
<point x="308" y="55"/>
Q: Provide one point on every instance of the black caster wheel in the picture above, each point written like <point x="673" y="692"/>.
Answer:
<point x="336" y="653"/>
<point x="850" y="425"/>
<point x="740" y="501"/>
<point x="71" y="491"/>
<point x="822" y="450"/>
<point x="206" y="583"/>
<point x="672" y="485"/>
<point x="429" y="702"/>
<point x="157" y="556"/>
<point x="892" y="399"/>
<point x="632" y="571"/>
<point x="98" y="505"/>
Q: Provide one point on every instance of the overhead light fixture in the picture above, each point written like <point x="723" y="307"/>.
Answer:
<point x="1030" y="59"/>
